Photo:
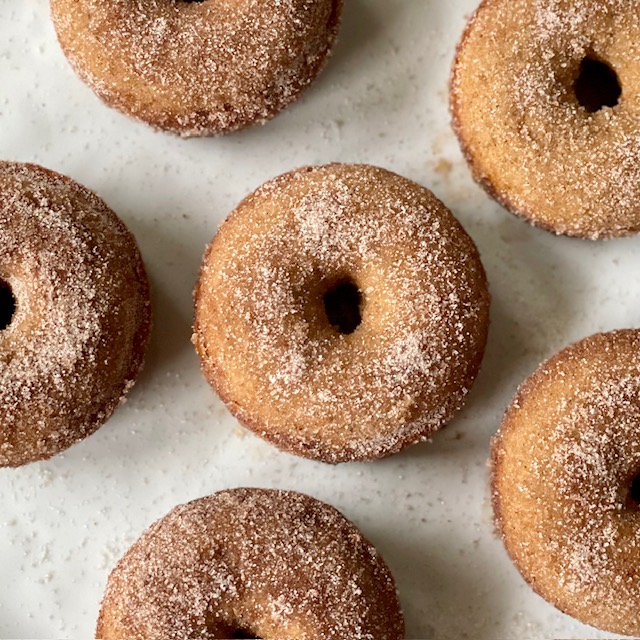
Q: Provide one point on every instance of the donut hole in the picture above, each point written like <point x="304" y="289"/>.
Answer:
<point x="343" y="306"/>
<point x="597" y="85"/>
<point x="634" y="491"/>
<point x="244" y="633"/>
<point x="7" y="304"/>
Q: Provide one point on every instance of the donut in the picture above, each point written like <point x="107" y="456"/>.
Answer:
<point x="341" y="312"/>
<point x="74" y="313"/>
<point x="545" y="98"/>
<point x="197" y="67"/>
<point x="566" y="481"/>
<point x="251" y="563"/>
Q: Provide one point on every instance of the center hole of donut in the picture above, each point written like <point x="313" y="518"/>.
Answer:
<point x="7" y="305"/>
<point x="342" y="304"/>
<point x="598" y="85"/>
<point x="243" y="633"/>
<point x="634" y="492"/>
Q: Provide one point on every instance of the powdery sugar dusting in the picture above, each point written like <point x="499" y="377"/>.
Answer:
<point x="529" y="140"/>
<point x="597" y="449"/>
<point x="269" y="563"/>
<point x="63" y="255"/>
<point x="567" y="458"/>
<point x="424" y="311"/>
<point x="197" y="68"/>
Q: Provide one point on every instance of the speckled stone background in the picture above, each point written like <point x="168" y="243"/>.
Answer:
<point x="383" y="100"/>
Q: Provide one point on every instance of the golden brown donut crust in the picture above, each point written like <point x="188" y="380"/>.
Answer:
<point x="563" y="463"/>
<point x="251" y="563"/>
<point x="78" y="336"/>
<point x="197" y="68"/>
<point x="264" y="338"/>
<point x="528" y="140"/>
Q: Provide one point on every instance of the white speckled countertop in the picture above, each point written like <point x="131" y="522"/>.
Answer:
<point x="383" y="100"/>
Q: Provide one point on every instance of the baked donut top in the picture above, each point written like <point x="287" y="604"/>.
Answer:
<point x="545" y="96"/>
<point x="566" y="464"/>
<point x="197" y="68"/>
<point x="251" y="563"/>
<point x="78" y="322"/>
<point x="264" y="332"/>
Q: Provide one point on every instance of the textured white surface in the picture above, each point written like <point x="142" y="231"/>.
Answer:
<point x="382" y="99"/>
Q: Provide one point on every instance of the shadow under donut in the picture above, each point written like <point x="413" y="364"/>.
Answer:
<point x="447" y="586"/>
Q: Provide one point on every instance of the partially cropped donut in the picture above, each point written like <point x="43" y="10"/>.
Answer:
<point x="197" y="67"/>
<point x="251" y="563"/>
<point x="341" y="312"/>
<point x="74" y="313"/>
<point x="545" y="97"/>
<point x="566" y="481"/>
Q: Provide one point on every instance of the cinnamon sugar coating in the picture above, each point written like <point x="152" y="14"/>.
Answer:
<point x="251" y="563"/>
<point x="263" y="332"/>
<point x="530" y="138"/>
<point x="563" y="469"/>
<point x="77" y="336"/>
<point x="197" y="68"/>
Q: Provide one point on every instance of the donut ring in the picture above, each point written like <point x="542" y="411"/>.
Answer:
<point x="197" y="68"/>
<point x="251" y="563"/>
<point x="545" y="98"/>
<point x="414" y="304"/>
<point x="566" y="493"/>
<point x="74" y="313"/>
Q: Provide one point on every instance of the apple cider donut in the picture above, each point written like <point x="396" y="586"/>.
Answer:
<point x="74" y="313"/>
<point x="341" y="312"/>
<point x="251" y="563"/>
<point x="566" y="481"/>
<point x="197" y="68"/>
<point x="545" y="97"/>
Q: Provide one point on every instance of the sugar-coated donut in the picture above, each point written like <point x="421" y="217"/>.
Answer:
<point x="341" y="312"/>
<point x="197" y="68"/>
<point x="251" y="563"/>
<point x="74" y="312"/>
<point x="545" y="97"/>
<point x="566" y="488"/>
